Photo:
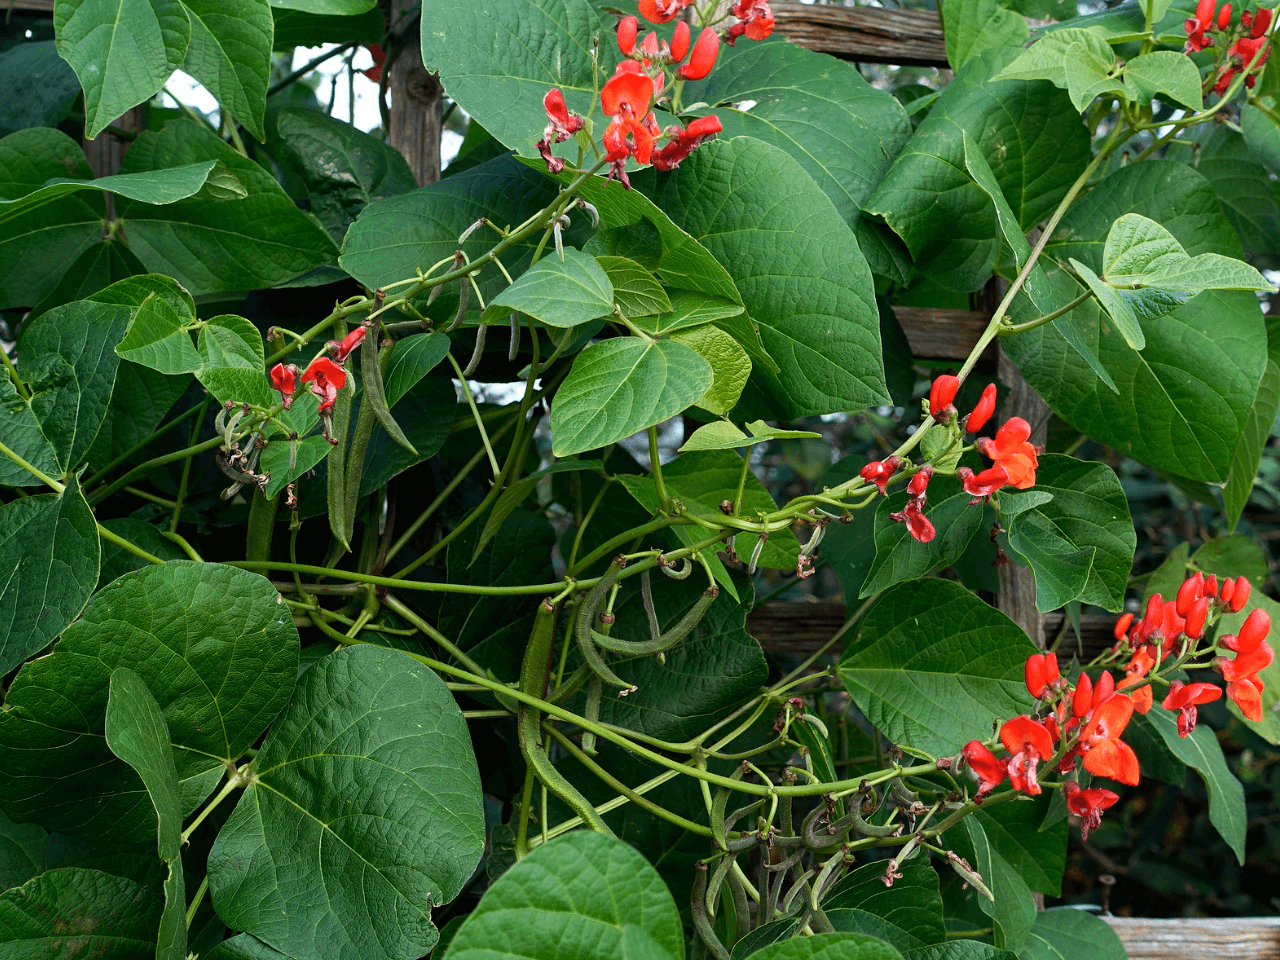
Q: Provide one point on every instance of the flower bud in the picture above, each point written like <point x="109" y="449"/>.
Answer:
<point x="627" y="31"/>
<point x="982" y="410"/>
<point x="1240" y="596"/>
<point x="703" y="57"/>
<point x="1224" y="16"/>
<point x="1083" y="699"/>
<point x="1196" y="616"/>
<point x="1227" y="591"/>
<point x="1210" y="586"/>
<point x="1188" y="594"/>
<point x="1122" y="626"/>
<point x="920" y="481"/>
<point x="680" y="42"/>
<point x="942" y="393"/>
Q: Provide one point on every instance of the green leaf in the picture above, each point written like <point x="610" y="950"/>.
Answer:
<point x="560" y="294"/>
<point x="215" y="244"/>
<point x="730" y="366"/>
<point x="582" y="895"/>
<point x="1044" y="59"/>
<point x="1262" y="134"/>
<point x="900" y="557"/>
<point x="714" y="670"/>
<point x="702" y="480"/>
<point x="233" y="361"/>
<point x="230" y="54"/>
<point x="1164" y="71"/>
<point x="1142" y="253"/>
<point x="722" y="435"/>
<point x="621" y="386"/>
<point x="36" y="250"/>
<point x="1030" y="135"/>
<point x="844" y="132"/>
<point x="907" y="915"/>
<point x="69" y="363"/>
<point x="113" y="918"/>
<point x="498" y="60"/>
<point x="117" y="561"/>
<point x="1244" y="189"/>
<point x="328" y="8"/>
<point x="212" y="643"/>
<point x="40" y="87"/>
<point x="959" y="950"/>
<point x="426" y="414"/>
<point x="245" y="947"/>
<point x="294" y="28"/>
<point x="48" y="568"/>
<point x="1202" y="753"/>
<point x="1253" y="439"/>
<point x="1037" y="853"/>
<point x="1079" y="544"/>
<point x="636" y="291"/>
<point x="494" y="634"/>
<point x="972" y="26"/>
<point x="1013" y="910"/>
<point x="21" y="852"/>
<point x="1185" y="399"/>
<point x="933" y="665"/>
<point x="343" y="169"/>
<point x="275" y="460"/>
<point x="98" y="267"/>
<point x="412" y="359"/>
<point x="763" y="218"/>
<point x="390" y="741"/>
<point x="1064" y="933"/>
<point x="123" y="51"/>
<point x="137" y="733"/>
<point x="158" y="337"/>
<point x="158" y="186"/>
<point x="1117" y="307"/>
<point x="829" y="946"/>
<point x="690" y="310"/>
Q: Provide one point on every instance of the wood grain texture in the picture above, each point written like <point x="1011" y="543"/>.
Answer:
<point x="867" y="34"/>
<point x="1246" y="938"/>
<point x="416" y="107"/>
<point x="935" y="334"/>
<point x="34" y="6"/>
<point x="804" y="627"/>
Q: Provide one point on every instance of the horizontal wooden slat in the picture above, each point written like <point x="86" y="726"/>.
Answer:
<point x="804" y="627"/>
<point x="1245" y="938"/>
<point x="867" y="34"/>
<point x="943" y="334"/>
<point x="36" y="6"/>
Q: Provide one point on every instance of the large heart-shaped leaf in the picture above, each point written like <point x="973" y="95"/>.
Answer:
<point x="843" y="131"/>
<point x="351" y="872"/>
<point x="1085" y="527"/>
<point x="972" y="26"/>
<point x="49" y="554"/>
<point x="1185" y="399"/>
<point x="158" y="186"/>
<point x="217" y="650"/>
<point x="1064" y="933"/>
<point x="123" y="51"/>
<point x="907" y="915"/>
<point x="499" y="59"/>
<point x="560" y="293"/>
<point x="210" y="244"/>
<point x="933" y="666"/>
<point x="799" y="270"/>
<point x="583" y="895"/>
<point x="1030" y="135"/>
<point x="830" y="946"/>
<point x="230" y="54"/>
<point x="621" y="386"/>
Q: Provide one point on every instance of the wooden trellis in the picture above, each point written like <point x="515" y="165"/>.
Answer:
<point x="867" y="35"/>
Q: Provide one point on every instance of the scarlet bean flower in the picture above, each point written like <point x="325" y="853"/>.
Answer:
<point x="918" y="525"/>
<point x="1184" y="698"/>
<point x="1028" y="742"/>
<point x="1011" y="450"/>
<point x="987" y="768"/>
<point x="326" y="379"/>
<point x="982" y="410"/>
<point x="982" y="485"/>
<point x="683" y="142"/>
<point x="880" y="472"/>
<point x="942" y="393"/>
<point x="1040" y="671"/>
<point x="561" y="125"/>
<point x="662" y="11"/>
<point x="1105" y="754"/>
<point x="285" y="381"/>
<point x="1088" y="805"/>
<point x="1196" y="26"/>
<point x="349" y="343"/>
<point x="753" y="18"/>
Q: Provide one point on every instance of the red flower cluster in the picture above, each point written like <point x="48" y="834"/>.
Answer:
<point x="1241" y="54"/>
<point x="1202" y="21"/>
<point x="1171" y="628"/>
<point x="752" y="18"/>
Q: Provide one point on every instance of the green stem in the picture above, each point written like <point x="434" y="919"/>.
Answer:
<point x="616" y="543"/>
<point x="18" y="385"/>
<point x="144" y="468"/>
<point x="664" y="501"/>
<point x="196" y="900"/>
<point x="471" y="402"/>
<point x="531" y="589"/>
<point x="124" y="544"/>
<point x="234" y="782"/>
<point x="436" y="636"/>
<point x="1011" y="328"/>
<point x="186" y="466"/>
<point x="152" y="438"/>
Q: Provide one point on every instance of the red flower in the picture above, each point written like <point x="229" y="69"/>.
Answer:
<point x="919" y="483"/>
<point x="326" y="379"/>
<point x="1185" y="697"/>
<point x="683" y="142"/>
<point x="983" y="484"/>
<point x="1088" y="805"/>
<point x="1011" y="450"/>
<point x="1122" y="626"/>
<point x="1106" y="755"/>
<point x="1196" y="26"/>
<point x="349" y="343"/>
<point x="1253" y="632"/>
<point x="379" y="55"/>
<point x="628" y="27"/>
<point x="661" y="11"/>
<point x="704" y="56"/>
<point x="942" y="393"/>
<point x="626" y="98"/>
<point x="755" y="19"/>
<point x="1224" y="16"/>
<point x="1247" y="694"/>
<point x="561" y="126"/>
<point x="1040" y="671"/>
<point x="879" y="472"/>
<point x="1135" y="673"/>
<point x="989" y="771"/>
<point x="918" y="524"/>
<point x="285" y="380"/>
<point x="982" y="410"/>
<point x="1028" y="743"/>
